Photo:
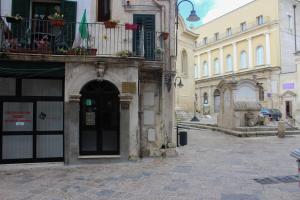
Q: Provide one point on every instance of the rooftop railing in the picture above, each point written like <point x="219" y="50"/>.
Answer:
<point x="58" y="37"/>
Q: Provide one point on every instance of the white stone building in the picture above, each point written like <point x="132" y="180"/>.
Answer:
<point x="106" y="98"/>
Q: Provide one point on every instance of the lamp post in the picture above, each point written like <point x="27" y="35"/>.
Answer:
<point x="192" y="18"/>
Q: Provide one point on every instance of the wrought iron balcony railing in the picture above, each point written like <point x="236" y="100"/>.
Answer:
<point x="55" y="37"/>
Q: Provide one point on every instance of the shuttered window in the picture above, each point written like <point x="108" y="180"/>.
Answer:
<point x="70" y="11"/>
<point x="148" y="23"/>
<point x="22" y="8"/>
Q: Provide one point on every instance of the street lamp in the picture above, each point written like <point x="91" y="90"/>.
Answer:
<point x="192" y="18"/>
<point x="195" y="118"/>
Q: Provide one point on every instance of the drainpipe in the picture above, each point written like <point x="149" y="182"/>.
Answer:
<point x="295" y="28"/>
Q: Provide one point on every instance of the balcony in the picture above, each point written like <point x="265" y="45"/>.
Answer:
<point x="51" y="37"/>
<point x="234" y="31"/>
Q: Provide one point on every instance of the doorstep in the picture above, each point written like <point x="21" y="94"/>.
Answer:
<point x="99" y="157"/>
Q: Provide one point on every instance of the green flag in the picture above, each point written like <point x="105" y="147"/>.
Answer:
<point x="83" y="27"/>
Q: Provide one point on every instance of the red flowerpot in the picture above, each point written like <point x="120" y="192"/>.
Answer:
<point x="131" y="26"/>
<point x="165" y="35"/>
<point x="92" y="52"/>
<point x="57" y="22"/>
<point x="109" y="24"/>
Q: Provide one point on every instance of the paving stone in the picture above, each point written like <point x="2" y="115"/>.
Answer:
<point x="239" y="197"/>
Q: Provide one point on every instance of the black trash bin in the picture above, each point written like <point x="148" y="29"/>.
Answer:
<point x="183" y="138"/>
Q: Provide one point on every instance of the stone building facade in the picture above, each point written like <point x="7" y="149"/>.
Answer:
<point x="185" y="96"/>
<point x="83" y="107"/>
<point x="259" y="46"/>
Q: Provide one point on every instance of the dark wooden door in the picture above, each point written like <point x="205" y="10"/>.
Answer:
<point x="99" y="123"/>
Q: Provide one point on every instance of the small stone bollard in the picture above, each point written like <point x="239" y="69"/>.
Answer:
<point x="281" y="129"/>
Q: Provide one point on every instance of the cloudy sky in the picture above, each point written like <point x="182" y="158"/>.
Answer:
<point x="210" y="9"/>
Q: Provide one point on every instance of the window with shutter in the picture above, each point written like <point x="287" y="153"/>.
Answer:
<point x="22" y="8"/>
<point x="148" y="24"/>
<point x="70" y="12"/>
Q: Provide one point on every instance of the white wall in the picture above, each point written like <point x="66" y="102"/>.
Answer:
<point x="6" y="7"/>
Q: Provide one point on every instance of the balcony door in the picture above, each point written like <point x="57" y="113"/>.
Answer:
<point x="148" y="24"/>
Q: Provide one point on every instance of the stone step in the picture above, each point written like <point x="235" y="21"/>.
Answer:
<point x="236" y="133"/>
<point x="261" y="128"/>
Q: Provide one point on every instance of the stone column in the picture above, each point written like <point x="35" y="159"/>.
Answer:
<point x="250" y="54"/>
<point x="71" y="123"/>
<point x="268" y="49"/>
<point x="235" y="65"/>
<point x="222" y="70"/>
<point x="210" y="71"/>
<point x="126" y="145"/>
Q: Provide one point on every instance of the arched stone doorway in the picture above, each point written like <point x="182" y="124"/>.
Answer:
<point x="99" y="119"/>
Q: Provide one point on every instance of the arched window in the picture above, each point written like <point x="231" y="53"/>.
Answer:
<point x="217" y="66"/>
<point x="243" y="60"/>
<point x="229" y="63"/>
<point x="184" y="62"/>
<point x="205" y="68"/>
<point x="260" y="55"/>
<point x="217" y="101"/>
<point x="205" y="98"/>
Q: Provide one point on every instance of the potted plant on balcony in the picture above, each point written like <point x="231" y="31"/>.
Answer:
<point x="57" y="20"/>
<point x="77" y="51"/>
<point x="125" y="54"/>
<point x="111" y="23"/>
<point x="92" y="51"/>
<point x="165" y="35"/>
<point x="133" y="27"/>
<point x="14" y="19"/>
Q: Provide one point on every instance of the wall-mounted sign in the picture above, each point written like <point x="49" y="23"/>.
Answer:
<point x="129" y="87"/>
<point x="288" y="86"/>
<point x="90" y="118"/>
<point x="17" y="116"/>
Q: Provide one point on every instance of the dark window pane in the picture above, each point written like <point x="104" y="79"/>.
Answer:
<point x="49" y="116"/>
<point x="42" y="87"/>
<point x="7" y="87"/>
<point x="89" y="140"/>
<point x="49" y="146"/>
<point x="110" y="141"/>
<point x="17" y="147"/>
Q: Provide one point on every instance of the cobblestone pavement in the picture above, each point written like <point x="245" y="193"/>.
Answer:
<point x="213" y="166"/>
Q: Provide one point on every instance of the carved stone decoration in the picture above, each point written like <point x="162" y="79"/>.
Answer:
<point x="100" y="70"/>
<point x="125" y="100"/>
<point x="74" y="97"/>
